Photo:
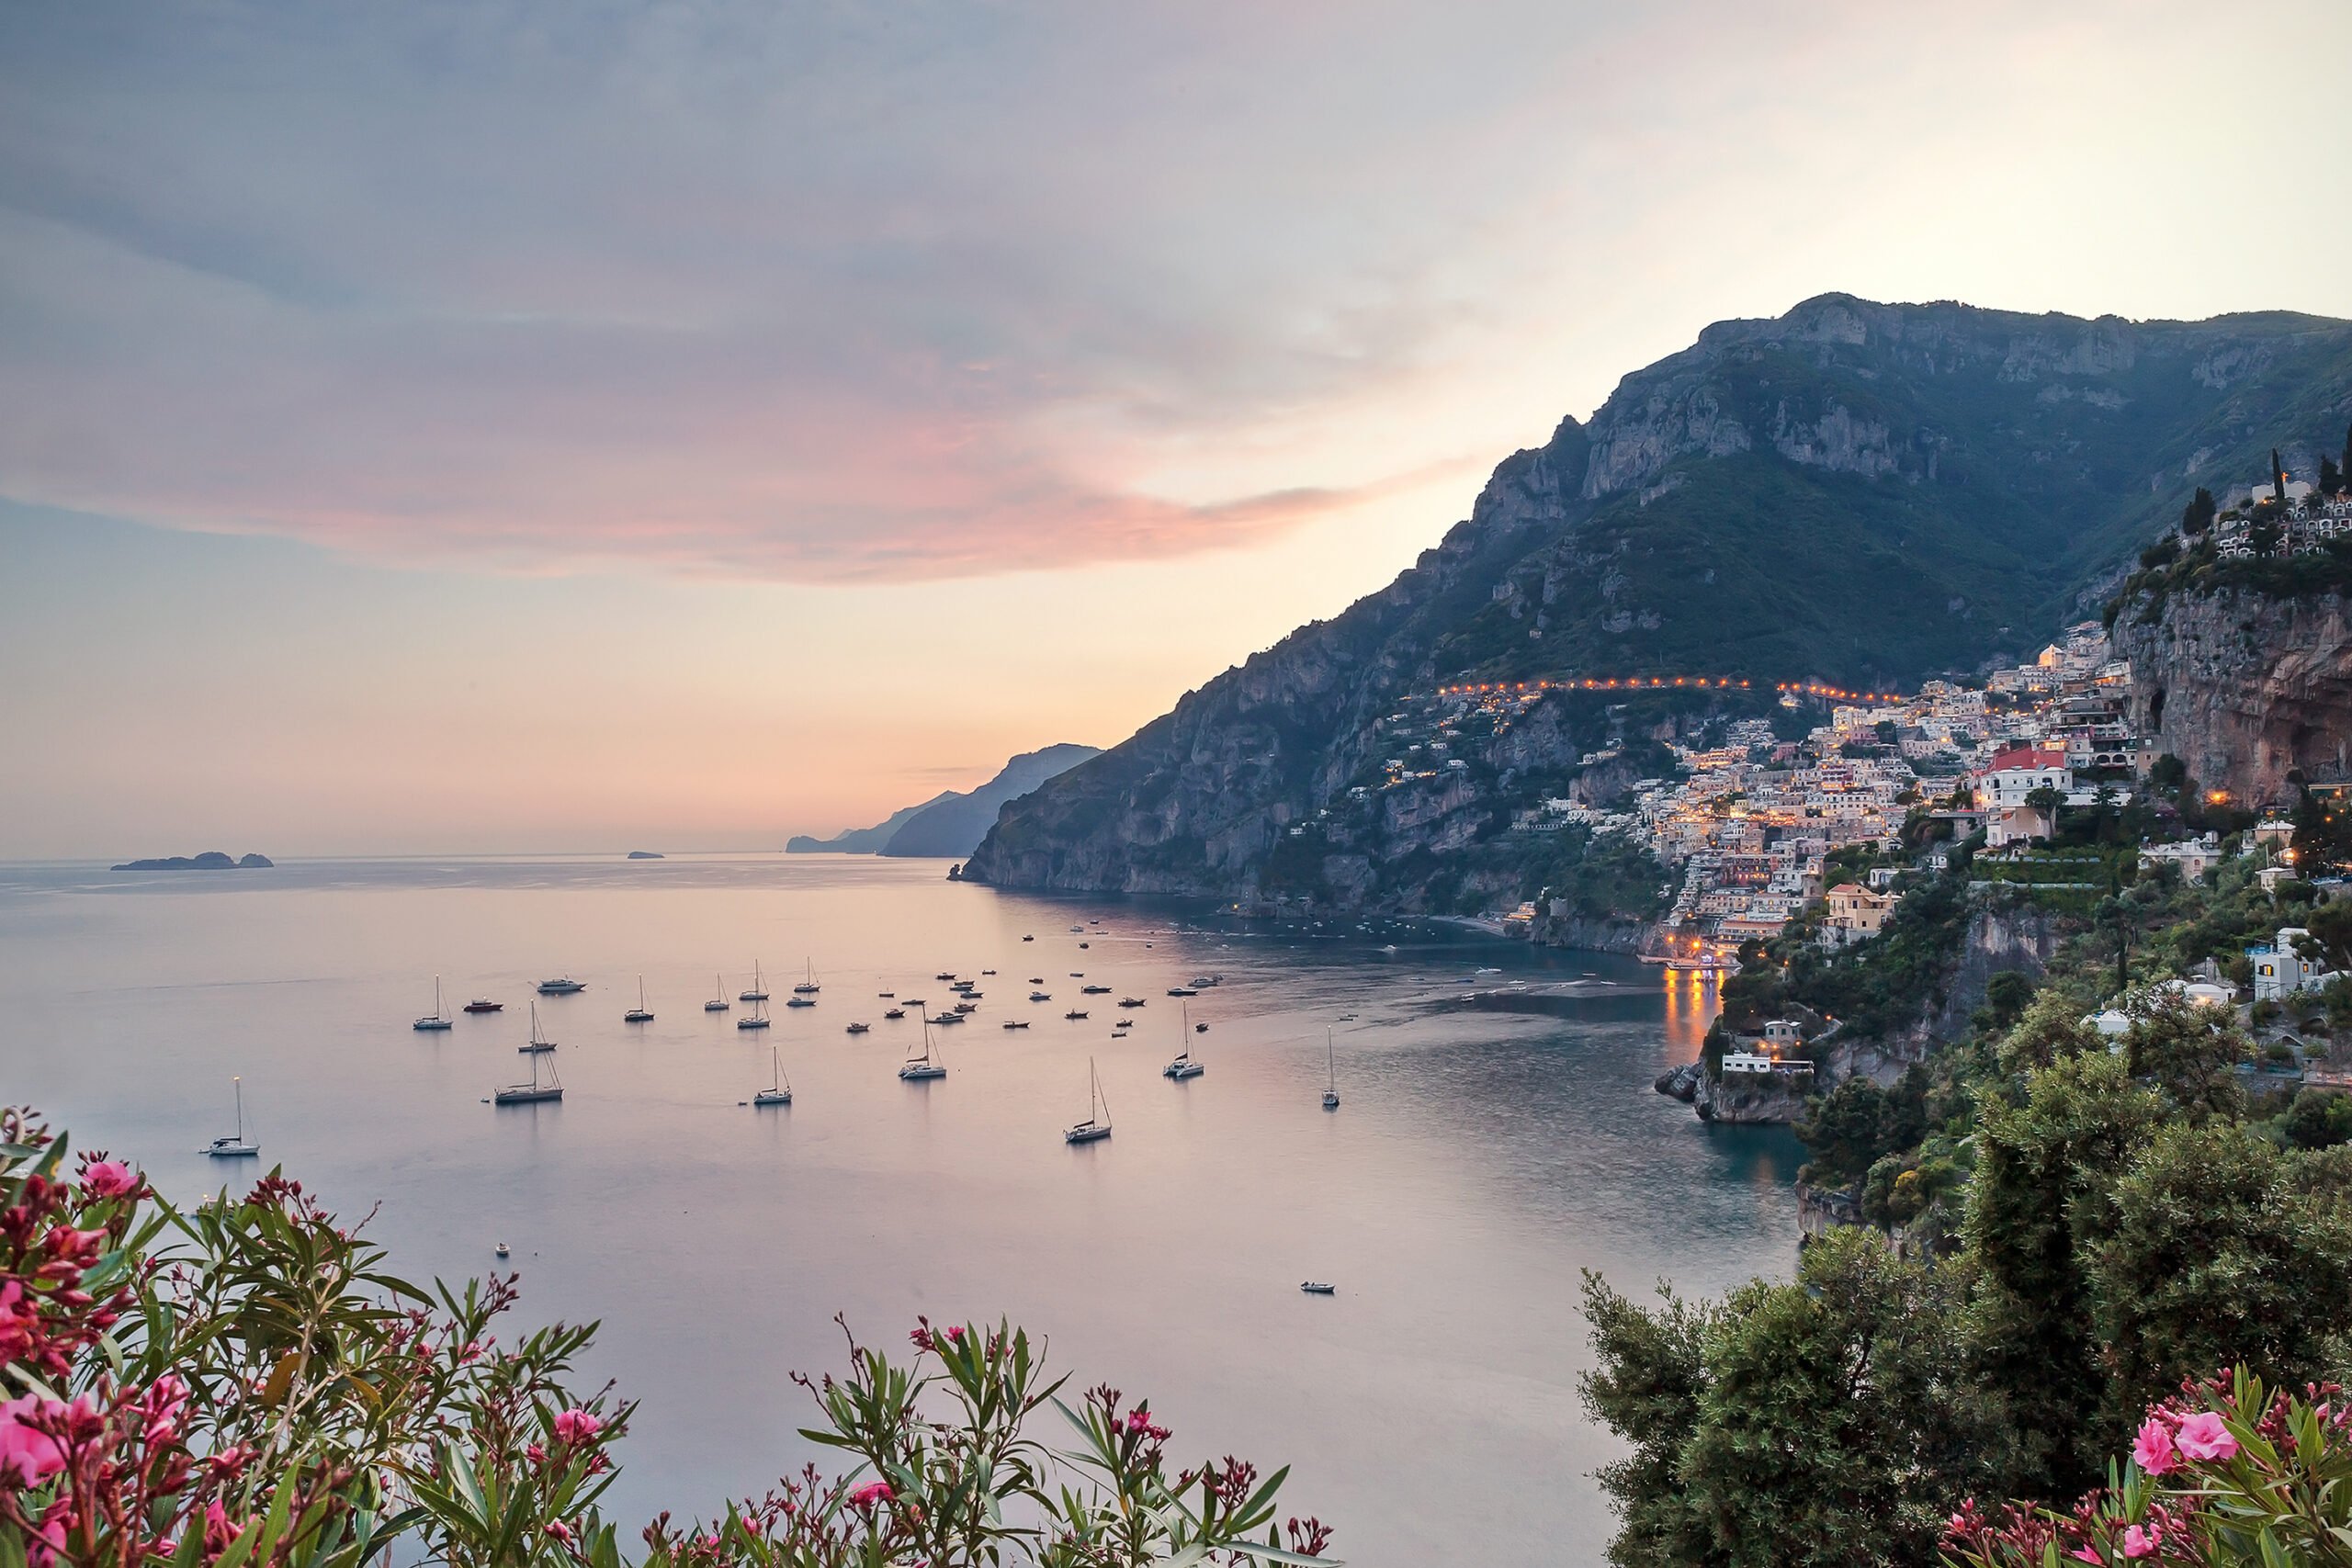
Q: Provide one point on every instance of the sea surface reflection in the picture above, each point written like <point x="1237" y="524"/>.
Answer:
<point x="1480" y="1158"/>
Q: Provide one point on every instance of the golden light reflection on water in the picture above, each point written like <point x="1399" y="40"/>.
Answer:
<point x="1693" y="999"/>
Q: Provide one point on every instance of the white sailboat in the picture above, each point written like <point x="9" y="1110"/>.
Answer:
<point x="639" y="1013"/>
<point x="1331" y="1074"/>
<point x="718" y="1002"/>
<point x="237" y="1145"/>
<point x="534" y="1092"/>
<point x="1098" y="1112"/>
<point x="759" y="991"/>
<point x="778" y="1092"/>
<point x="757" y="1018"/>
<point x="924" y="1066"/>
<point x="433" y="1019"/>
<point x="1184" y="1067"/>
<point x="536" y="1046"/>
<point x="807" y="988"/>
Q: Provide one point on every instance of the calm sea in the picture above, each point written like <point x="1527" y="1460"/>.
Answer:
<point x="1480" y="1158"/>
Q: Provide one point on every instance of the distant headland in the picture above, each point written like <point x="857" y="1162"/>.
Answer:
<point x="211" y="860"/>
<point x="646" y="854"/>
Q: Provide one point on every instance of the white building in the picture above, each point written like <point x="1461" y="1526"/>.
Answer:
<point x="2280" y="971"/>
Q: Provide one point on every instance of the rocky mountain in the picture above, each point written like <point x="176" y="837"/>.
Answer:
<point x="211" y="860"/>
<point x="1855" y="493"/>
<point x="952" y="822"/>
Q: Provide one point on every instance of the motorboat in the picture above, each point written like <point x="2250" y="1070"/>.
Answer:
<point x="1200" y="1029"/>
<point x="502" y="1249"/>
<point x="1094" y="990"/>
<point x="563" y="986"/>
<point x="1205" y="981"/>
<point x="640" y="1013"/>
<point x="483" y="1004"/>
<point x="778" y="1092"/>
<point x="1318" y="1288"/>
<point x="896" y="1012"/>
<point x="759" y="991"/>
<point x="1097" y="1125"/>
<point x="967" y="1006"/>
<point x="857" y="1029"/>
<point x="946" y="1018"/>
<point x="1074" y="1013"/>
<point x="1131" y="1001"/>
<point x="534" y="1046"/>
<point x="800" y="1001"/>
<point x="235" y="1145"/>
<point x="924" y="1066"/>
<point x="1028" y="939"/>
<point x="885" y="996"/>
<point x="1182" y="991"/>
<point x="1041" y="996"/>
<point x="1016" y="1023"/>
<point x="947" y="974"/>
<point x="433" y="1020"/>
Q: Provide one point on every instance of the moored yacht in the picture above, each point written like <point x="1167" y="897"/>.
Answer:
<point x="536" y="1046"/>
<point x="640" y="1013"/>
<point x="1097" y="1124"/>
<point x="778" y="1092"/>
<point x="756" y="1019"/>
<point x="807" y="988"/>
<point x="533" y="1092"/>
<point x="236" y="1145"/>
<point x="561" y="986"/>
<point x="759" y="991"/>
<point x="718" y="1002"/>
<point x="926" y="1065"/>
<point x="433" y="1019"/>
<point x="483" y="1004"/>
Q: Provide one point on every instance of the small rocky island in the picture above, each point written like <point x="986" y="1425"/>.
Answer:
<point x="211" y="860"/>
<point x="646" y="854"/>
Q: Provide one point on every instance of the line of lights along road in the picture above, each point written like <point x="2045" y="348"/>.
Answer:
<point x="1657" y="683"/>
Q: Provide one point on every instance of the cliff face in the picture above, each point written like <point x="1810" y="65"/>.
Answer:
<point x="2244" y="687"/>
<point x="1853" y="492"/>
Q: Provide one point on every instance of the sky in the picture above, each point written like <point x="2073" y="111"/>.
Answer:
<point x="539" y="424"/>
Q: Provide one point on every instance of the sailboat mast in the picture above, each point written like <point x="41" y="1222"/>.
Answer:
<point x="240" y="1084"/>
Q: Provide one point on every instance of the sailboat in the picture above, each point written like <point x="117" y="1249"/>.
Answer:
<point x="759" y="991"/>
<point x="807" y="988"/>
<point x="639" y="1013"/>
<point x="778" y="1092"/>
<point x="533" y="1092"/>
<point x="1184" y="1067"/>
<point x="757" y="1018"/>
<point x="919" y="1068"/>
<point x="1098" y="1112"/>
<point x="534" y="1046"/>
<point x="718" y="1002"/>
<point x="236" y="1145"/>
<point x="1331" y="1074"/>
<point x="433" y="1019"/>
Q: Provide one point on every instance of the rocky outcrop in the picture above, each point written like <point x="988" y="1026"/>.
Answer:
<point x="2244" y="687"/>
<point x="211" y="860"/>
<point x="1750" y="1100"/>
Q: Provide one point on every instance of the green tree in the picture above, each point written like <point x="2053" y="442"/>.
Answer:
<point x="2190" y="1050"/>
<point x="1647" y="1385"/>
<point x="2210" y="1249"/>
<point x="2049" y="1030"/>
<point x="2318" y="1119"/>
<point x="2039" y="1166"/>
<point x="2198" y="516"/>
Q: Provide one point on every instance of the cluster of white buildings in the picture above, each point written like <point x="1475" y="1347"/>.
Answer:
<point x="2306" y="519"/>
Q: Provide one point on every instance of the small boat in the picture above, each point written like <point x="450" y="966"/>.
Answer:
<point x="1182" y="991"/>
<point x="948" y="974"/>
<point x="988" y="970"/>
<point x="1205" y="981"/>
<point x="1332" y="1075"/>
<point x="1074" y="1013"/>
<point x="756" y="1019"/>
<point x="483" y="1004"/>
<point x="1041" y="996"/>
<point x="530" y="1093"/>
<point x="1200" y="1029"/>
<point x="967" y="1006"/>
<point x="800" y="1001"/>
<point x="1078" y="929"/>
<point x="778" y="1092"/>
<point x="1094" y="990"/>
<point x="857" y="1029"/>
<point x="1091" y="944"/>
<point x="759" y="991"/>
<point x="896" y="1012"/>
<point x="1078" y="974"/>
<point x="807" y="988"/>
<point x="534" y="1046"/>
<point x="885" y="996"/>
<point x="1131" y="1001"/>
<point x="718" y="1002"/>
<point x="639" y="1013"/>
<point x="946" y="1018"/>
<point x="1318" y="1288"/>
<point x="563" y="986"/>
<point x="926" y="1065"/>
<point x="433" y="1019"/>
<point x="1036" y="979"/>
<point x="502" y="1249"/>
<point x="1097" y="1124"/>
<point x="1028" y="939"/>
<point x="236" y="1145"/>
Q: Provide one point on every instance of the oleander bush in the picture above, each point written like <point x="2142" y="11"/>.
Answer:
<point x="248" y="1383"/>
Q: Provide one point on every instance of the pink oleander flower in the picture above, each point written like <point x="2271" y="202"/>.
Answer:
<point x="575" y="1427"/>
<point x="2139" y="1542"/>
<point x="2204" y="1436"/>
<point x="561" y="1530"/>
<point x="535" y="1453"/>
<point x="108" y="1178"/>
<point x="955" y="1335"/>
<point x="2153" y="1450"/>
<point x="2086" y="1554"/>
<point x="872" y="1493"/>
<point x="28" y="1456"/>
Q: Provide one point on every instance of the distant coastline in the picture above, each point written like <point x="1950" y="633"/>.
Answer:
<point x="211" y="860"/>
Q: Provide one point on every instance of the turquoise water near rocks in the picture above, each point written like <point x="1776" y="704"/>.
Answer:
<point x="1480" y="1157"/>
